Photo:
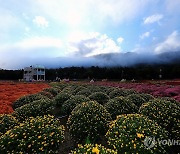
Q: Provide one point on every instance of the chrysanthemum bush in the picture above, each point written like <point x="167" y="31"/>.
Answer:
<point x="88" y="120"/>
<point x="53" y="91"/>
<point x="78" y="89"/>
<point x="146" y="97"/>
<point x="120" y="105"/>
<point x="108" y="90"/>
<point x="128" y="132"/>
<point x="92" y="149"/>
<point x="165" y="113"/>
<point x="100" y="97"/>
<point x="71" y="103"/>
<point x="61" y="98"/>
<point x="121" y="92"/>
<point x="68" y="89"/>
<point x="47" y="94"/>
<point x="93" y="89"/>
<point x="86" y="92"/>
<point x="136" y="99"/>
<point x="26" y="100"/>
<point x="37" y="108"/>
<point x="7" y="122"/>
<point x="35" y="135"/>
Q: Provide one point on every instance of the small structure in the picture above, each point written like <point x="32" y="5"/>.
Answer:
<point x="34" y="73"/>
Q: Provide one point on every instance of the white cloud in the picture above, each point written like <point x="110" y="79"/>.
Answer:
<point x="92" y="44"/>
<point x="172" y="43"/>
<point x="152" y="19"/>
<point x="120" y="40"/>
<point x="40" y="42"/>
<point x="32" y="47"/>
<point x="145" y="35"/>
<point x="40" y="21"/>
<point x="78" y="12"/>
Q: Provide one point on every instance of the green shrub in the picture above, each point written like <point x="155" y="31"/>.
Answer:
<point x="26" y="100"/>
<point x="100" y="97"/>
<point x="71" y="103"/>
<point x="92" y="149"/>
<point x="61" y="98"/>
<point x="47" y="94"/>
<point x="172" y="100"/>
<point x="136" y="99"/>
<point x="78" y="89"/>
<point x="68" y="89"/>
<point x="36" y="108"/>
<point x="84" y="92"/>
<point x="35" y="135"/>
<point x="88" y="120"/>
<point x="128" y="134"/>
<point x="146" y="97"/>
<point x="53" y="91"/>
<point x="108" y="90"/>
<point x="165" y="113"/>
<point x="94" y="89"/>
<point x="121" y="92"/>
<point x="119" y="105"/>
<point x="7" y="122"/>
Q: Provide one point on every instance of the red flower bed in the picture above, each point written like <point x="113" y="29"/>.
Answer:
<point x="157" y="90"/>
<point x="9" y="92"/>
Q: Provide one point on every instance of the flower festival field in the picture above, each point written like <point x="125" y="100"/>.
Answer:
<point x="92" y="118"/>
<point x="10" y="92"/>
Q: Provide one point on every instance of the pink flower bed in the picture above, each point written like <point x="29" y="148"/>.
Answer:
<point x="156" y="90"/>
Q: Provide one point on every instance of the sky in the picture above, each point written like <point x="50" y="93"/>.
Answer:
<point x="60" y="33"/>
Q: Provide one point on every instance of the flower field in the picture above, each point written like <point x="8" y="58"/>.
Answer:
<point x="164" y="89"/>
<point x="96" y="118"/>
<point x="9" y="92"/>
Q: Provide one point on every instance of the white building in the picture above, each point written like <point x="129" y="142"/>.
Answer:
<point x="36" y="72"/>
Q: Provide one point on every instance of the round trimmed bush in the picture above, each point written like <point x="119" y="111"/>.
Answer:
<point x="100" y="97"/>
<point x="94" y="89"/>
<point x="71" y="103"/>
<point x="26" y="99"/>
<point x="53" y="91"/>
<point x="7" y="122"/>
<point x="108" y="90"/>
<point x="35" y="135"/>
<point x="146" y="97"/>
<point x="36" y="108"/>
<point x="128" y="134"/>
<point x="88" y="120"/>
<point x="61" y="98"/>
<point x="68" y="89"/>
<point x="136" y="99"/>
<point x="92" y="149"/>
<point x="121" y="92"/>
<point x="78" y="89"/>
<point x="47" y="94"/>
<point x="165" y="113"/>
<point x="84" y="92"/>
<point x="172" y="100"/>
<point x="119" y="105"/>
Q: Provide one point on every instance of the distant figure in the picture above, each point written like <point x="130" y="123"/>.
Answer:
<point x="133" y="80"/>
<point x="123" y="80"/>
<point x="92" y="81"/>
<point x="104" y="80"/>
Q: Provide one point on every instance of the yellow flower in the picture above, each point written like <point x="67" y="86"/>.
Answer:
<point x="140" y="135"/>
<point x="52" y="134"/>
<point x="39" y="136"/>
<point x="95" y="150"/>
<point x="134" y="146"/>
<point x="29" y="145"/>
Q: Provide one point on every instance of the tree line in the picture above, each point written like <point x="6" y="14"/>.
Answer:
<point x="138" y="72"/>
